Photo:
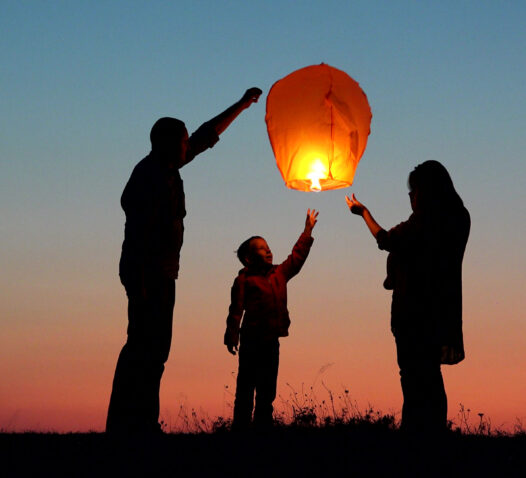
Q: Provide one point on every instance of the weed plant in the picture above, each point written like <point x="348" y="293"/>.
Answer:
<point x="307" y="408"/>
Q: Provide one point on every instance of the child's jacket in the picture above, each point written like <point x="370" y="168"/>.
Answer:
<point x="263" y="298"/>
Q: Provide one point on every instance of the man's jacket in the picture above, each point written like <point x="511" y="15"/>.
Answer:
<point x="154" y="203"/>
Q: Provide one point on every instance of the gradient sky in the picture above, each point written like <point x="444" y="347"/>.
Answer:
<point x="81" y="84"/>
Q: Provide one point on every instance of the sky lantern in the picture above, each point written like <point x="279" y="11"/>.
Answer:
<point x="318" y="121"/>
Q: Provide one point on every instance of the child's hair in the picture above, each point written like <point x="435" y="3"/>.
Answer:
<point x="244" y="249"/>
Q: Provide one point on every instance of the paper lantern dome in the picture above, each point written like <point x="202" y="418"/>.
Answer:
<point x="318" y="121"/>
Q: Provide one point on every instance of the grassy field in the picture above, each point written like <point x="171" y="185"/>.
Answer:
<point x="328" y="436"/>
<point x="364" y="448"/>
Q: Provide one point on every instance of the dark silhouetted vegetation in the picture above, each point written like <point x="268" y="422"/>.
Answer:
<point x="312" y="437"/>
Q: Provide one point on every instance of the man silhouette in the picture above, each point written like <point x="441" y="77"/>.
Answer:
<point x="154" y="203"/>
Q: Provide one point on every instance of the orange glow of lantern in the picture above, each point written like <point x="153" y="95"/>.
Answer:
<point x="318" y="122"/>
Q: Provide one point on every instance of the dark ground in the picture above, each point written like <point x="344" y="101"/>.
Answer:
<point x="283" y="452"/>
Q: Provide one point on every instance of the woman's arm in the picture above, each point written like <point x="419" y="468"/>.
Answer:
<point x="356" y="207"/>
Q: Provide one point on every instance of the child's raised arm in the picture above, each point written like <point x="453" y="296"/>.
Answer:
<point x="310" y="221"/>
<point x="293" y="264"/>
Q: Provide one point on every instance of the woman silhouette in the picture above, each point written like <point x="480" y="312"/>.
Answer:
<point x="424" y="271"/>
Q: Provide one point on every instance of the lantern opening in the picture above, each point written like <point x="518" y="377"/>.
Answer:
<point x="315" y="184"/>
<point x="317" y="171"/>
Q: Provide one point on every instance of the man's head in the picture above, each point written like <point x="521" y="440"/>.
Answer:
<point x="255" y="252"/>
<point x="169" y="137"/>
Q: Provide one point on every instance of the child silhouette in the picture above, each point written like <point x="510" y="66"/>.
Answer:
<point x="258" y="313"/>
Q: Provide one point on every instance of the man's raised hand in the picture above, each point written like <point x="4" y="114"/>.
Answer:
<point x="251" y="96"/>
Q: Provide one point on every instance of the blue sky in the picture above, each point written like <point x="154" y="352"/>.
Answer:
<point x="85" y="80"/>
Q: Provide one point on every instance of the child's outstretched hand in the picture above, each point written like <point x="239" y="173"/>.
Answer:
<point x="310" y="222"/>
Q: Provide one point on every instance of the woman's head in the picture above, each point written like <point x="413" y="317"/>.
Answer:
<point x="430" y="186"/>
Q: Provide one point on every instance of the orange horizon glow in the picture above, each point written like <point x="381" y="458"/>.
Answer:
<point x="64" y="384"/>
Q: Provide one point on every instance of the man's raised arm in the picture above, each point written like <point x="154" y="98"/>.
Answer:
<point x="223" y="120"/>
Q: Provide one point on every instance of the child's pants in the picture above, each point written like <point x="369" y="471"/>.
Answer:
<point x="258" y="371"/>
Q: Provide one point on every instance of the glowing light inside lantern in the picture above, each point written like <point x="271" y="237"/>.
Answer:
<point x="317" y="171"/>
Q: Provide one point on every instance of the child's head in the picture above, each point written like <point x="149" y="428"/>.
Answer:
<point x="254" y="252"/>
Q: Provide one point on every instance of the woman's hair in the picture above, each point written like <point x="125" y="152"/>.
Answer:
<point x="244" y="249"/>
<point x="434" y="185"/>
